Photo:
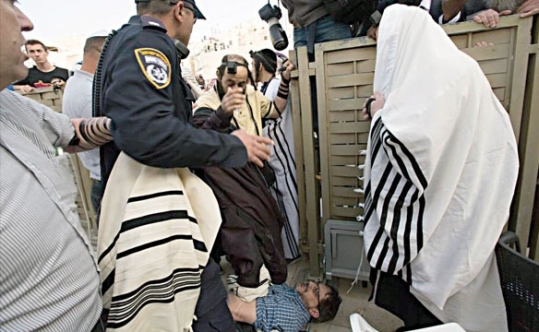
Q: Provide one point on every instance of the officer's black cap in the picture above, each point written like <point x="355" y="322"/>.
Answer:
<point x="198" y="13"/>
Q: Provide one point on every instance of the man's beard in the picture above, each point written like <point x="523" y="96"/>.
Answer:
<point x="501" y="5"/>
<point x="220" y="90"/>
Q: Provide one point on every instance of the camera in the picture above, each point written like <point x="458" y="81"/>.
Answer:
<point x="272" y="15"/>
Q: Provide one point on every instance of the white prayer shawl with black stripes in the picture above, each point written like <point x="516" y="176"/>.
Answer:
<point x="283" y="162"/>
<point x="440" y="172"/>
<point x="156" y="230"/>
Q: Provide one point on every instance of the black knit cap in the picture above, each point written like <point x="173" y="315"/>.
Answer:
<point x="267" y="58"/>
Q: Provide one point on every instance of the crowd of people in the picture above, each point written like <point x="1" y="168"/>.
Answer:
<point x="184" y="173"/>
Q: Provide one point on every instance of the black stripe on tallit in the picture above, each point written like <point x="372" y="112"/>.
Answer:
<point x="154" y="195"/>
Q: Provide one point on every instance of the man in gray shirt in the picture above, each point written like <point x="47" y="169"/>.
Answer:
<point x="77" y="103"/>
<point x="48" y="274"/>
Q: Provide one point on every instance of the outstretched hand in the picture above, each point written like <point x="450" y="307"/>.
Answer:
<point x="528" y="8"/>
<point x="257" y="147"/>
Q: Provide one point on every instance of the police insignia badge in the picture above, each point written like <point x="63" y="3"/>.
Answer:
<point x="155" y="66"/>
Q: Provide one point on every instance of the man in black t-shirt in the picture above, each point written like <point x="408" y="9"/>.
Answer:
<point x="43" y="73"/>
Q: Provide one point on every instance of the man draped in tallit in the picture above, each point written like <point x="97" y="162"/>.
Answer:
<point x="439" y="178"/>
<point x="157" y="228"/>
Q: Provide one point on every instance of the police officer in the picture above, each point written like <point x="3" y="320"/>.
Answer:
<point x="138" y="85"/>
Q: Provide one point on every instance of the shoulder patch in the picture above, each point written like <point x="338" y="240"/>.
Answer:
<point x="155" y="66"/>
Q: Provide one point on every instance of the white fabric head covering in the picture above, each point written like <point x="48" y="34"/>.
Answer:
<point x="445" y="137"/>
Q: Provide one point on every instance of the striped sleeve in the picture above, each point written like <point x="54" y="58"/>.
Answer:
<point x="395" y="199"/>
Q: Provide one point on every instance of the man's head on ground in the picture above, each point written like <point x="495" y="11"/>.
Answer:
<point x="12" y="23"/>
<point x="263" y="61"/>
<point x="233" y="73"/>
<point x="37" y="51"/>
<point x="92" y="50"/>
<point x="178" y="16"/>
<point x="321" y="301"/>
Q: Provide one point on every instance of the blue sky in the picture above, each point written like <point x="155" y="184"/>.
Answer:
<point x="63" y="18"/>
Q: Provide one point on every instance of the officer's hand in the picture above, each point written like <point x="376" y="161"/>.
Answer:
<point x="257" y="146"/>
<point x="289" y="66"/>
<point x="234" y="99"/>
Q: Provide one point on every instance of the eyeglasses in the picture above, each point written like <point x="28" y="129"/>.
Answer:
<point x="194" y="13"/>
<point x="174" y="3"/>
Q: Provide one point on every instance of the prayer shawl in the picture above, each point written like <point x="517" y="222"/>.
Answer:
<point x="283" y="163"/>
<point x="249" y="117"/>
<point x="440" y="172"/>
<point x="156" y="230"/>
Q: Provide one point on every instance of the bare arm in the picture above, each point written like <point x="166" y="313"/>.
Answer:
<point x="282" y="96"/>
<point x="92" y="133"/>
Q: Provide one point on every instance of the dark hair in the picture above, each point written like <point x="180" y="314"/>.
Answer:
<point x="329" y="306"/>
<point x="239" y="60"/>
<point x="156" y="7"/>
<point x="34" y="42"/>
<point x="267" y="58"/>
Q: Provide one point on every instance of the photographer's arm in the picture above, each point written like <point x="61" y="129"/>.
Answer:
<point x="280" y="101"/>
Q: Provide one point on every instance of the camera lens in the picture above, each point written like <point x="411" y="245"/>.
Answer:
<point x="277" y="34"/>
<point x="278" y="37"/>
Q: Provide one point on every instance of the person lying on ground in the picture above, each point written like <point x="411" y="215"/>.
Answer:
<point x="287" y="308"/>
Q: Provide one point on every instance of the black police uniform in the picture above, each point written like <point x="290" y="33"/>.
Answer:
<point x="138" y="85"/>
<point x="140" y="88"/>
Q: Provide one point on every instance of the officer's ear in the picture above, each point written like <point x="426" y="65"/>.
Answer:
<point x="177" y="11"/>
